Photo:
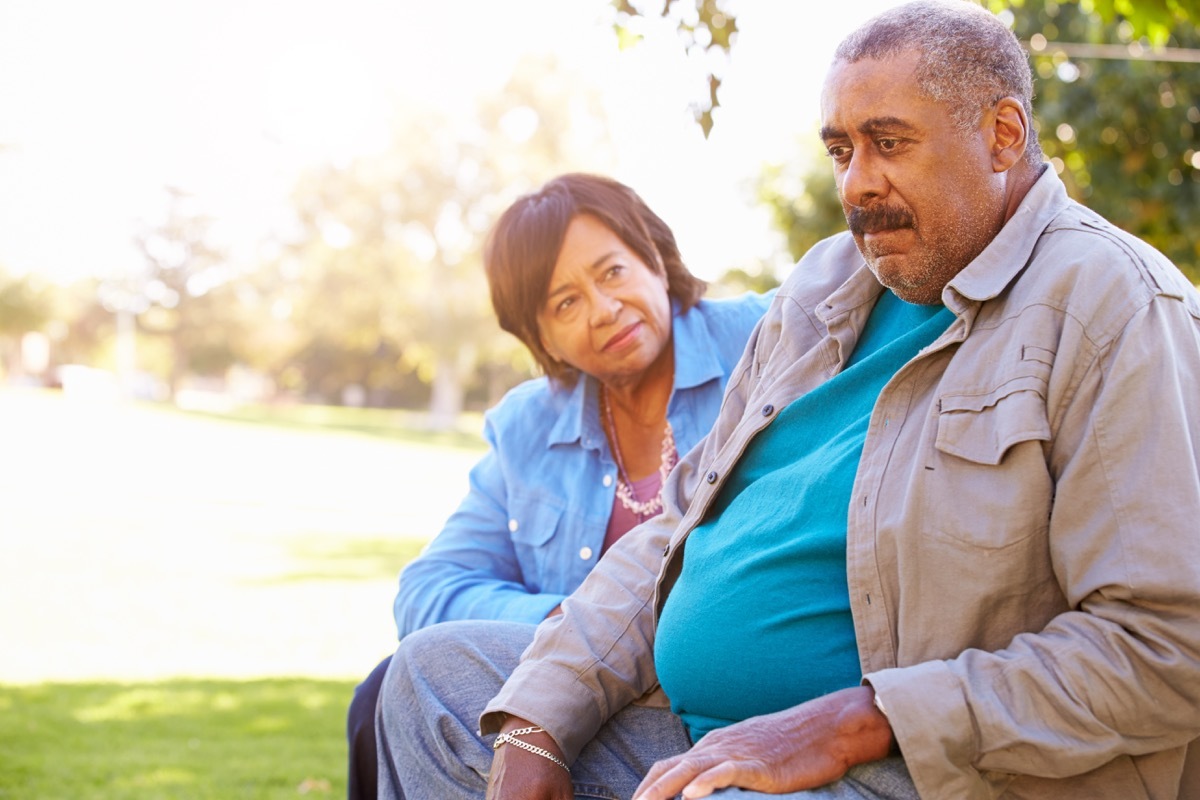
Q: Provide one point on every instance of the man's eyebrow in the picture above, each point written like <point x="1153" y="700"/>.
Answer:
<point x="877" y="125"/>
<point x="828" y="132"/>
<point x="871" y="127"/>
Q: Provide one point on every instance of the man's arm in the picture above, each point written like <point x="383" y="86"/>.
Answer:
<point x="597" y="656"/>
<point x="1118" y="673"/>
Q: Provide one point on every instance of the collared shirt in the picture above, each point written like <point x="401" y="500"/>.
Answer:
<point x="1023" y="552"/>
<point x="533" y="523"/>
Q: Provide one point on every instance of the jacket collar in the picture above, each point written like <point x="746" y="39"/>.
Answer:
<point x="1006" y="256"/>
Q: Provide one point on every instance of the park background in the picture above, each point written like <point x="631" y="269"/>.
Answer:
<point x="245" y="337"/>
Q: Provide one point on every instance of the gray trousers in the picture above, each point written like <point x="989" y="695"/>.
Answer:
<point x="442" y="677"/>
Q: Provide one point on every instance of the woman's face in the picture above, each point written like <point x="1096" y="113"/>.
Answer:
<point x="607" y="313"/>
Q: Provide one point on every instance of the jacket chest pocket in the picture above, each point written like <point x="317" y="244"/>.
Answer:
<point x="987" y="486"/>
<point x="981" y="428"/>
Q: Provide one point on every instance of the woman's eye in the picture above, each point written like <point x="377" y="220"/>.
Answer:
<point x="614" y="271"/>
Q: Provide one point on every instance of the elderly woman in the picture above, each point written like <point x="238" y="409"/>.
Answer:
<point x="591" y="281"/>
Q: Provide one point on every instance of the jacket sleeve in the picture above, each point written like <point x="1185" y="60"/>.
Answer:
<point x="1118" y="673"/>
<point x="470" y="570"/>
<point x="598" y="656"/>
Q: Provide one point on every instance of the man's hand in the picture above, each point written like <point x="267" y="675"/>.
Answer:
<point x="520" y="775"/>
<point x="789" y="751"/>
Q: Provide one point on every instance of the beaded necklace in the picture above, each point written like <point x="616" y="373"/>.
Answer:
<point x="625" y="492"/>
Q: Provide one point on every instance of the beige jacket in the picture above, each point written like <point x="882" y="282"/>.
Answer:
<point x="1023" y="550"/>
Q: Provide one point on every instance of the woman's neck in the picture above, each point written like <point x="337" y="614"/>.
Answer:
<point x="642" y="403"/>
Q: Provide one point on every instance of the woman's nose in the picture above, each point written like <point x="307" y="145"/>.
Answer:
<point x="605" y="309"/>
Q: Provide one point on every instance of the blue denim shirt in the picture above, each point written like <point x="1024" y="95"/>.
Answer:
<point x="532" y="525"/>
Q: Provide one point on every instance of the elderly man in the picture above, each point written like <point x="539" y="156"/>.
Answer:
<point x="942" y="541"/>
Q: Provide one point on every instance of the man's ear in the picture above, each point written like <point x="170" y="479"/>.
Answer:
<point x="1009" y="129"/>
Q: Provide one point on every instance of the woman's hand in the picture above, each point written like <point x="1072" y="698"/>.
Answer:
<point x="520" y="775"/>
<point x="789" y="751"/>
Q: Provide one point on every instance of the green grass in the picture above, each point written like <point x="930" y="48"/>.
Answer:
<point x="397" y="424"/>
<point x="178" y="739"/>
<point x="191" y="597"/>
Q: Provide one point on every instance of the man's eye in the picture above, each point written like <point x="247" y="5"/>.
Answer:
<point x="887" y="145"/>
<point x="838" y="152"/>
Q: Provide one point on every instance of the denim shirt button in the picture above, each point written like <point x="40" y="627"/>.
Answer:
<point x="585" y="553"/>
<point x="607" y="480"/>
<point x="512" y="526"/>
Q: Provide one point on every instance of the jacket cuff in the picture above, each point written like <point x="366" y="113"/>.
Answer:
<point x="934" y="729"/>
<point x="548" y="696"/>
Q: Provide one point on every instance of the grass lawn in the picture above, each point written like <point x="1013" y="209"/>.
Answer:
<point x="201" y="739"/>
<point x="189" y="599"/>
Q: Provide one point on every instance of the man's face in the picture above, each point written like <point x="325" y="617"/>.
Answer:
<point x="921" y="197"/>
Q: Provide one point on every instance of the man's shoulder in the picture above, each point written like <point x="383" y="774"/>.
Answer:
<point x="826" y="266"/>
<point x="1090" y="260"/>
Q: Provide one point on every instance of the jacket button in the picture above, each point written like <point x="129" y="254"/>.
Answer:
<point x="711" y="477"/>
<point x="768" y="410"/>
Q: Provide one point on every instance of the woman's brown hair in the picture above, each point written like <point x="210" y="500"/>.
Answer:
<point x="523" y="247"/>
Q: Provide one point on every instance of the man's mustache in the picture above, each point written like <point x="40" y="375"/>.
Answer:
<point x="878" y="218"/>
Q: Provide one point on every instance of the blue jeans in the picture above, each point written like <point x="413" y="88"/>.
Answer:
<point x="442" y="677"/>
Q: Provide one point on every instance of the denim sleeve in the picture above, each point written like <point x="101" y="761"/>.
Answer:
<point x="471" y="570"/>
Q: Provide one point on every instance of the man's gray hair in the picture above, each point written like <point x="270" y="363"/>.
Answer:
<point x="969" y="58"/>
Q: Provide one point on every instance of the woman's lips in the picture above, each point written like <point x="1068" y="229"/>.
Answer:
<point x="622" y="337"/>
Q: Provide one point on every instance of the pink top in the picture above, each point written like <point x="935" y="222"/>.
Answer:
<point x="622" y="519"/>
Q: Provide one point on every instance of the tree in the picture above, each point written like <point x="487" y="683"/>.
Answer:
<point x="704" y="26"/>
<point x="1118" y="115"/>
<point x="25" y="307"/>
<point x="385" y="276"/>
<point x="182" y="295"/>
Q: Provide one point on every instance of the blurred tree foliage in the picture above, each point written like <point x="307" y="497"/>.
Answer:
<point x="182" y="299"/>
<point x="706" y="27"/>
<point x="383" y="279"/>
<point x="1120" y="131"/>
<point x="25" y="305"/>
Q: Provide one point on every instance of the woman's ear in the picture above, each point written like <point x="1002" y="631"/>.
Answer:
<point x="1008" y="127"/>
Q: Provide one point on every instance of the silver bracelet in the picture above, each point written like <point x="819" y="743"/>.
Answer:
<point x="510" y="738"/>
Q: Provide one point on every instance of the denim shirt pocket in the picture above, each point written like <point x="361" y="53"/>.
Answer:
<point x="534" y="524"/>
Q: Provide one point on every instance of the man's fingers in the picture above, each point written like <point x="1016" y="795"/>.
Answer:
<point x="693" y="777"/>
<point x="704" y="784"/>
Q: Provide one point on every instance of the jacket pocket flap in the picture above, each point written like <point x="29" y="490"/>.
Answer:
<point x="982" y="427"/>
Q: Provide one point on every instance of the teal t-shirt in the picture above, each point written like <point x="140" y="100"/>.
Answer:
<point x="759" y="619"/>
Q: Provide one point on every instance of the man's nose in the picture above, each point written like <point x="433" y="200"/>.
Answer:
<point x="863" y="180"/>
